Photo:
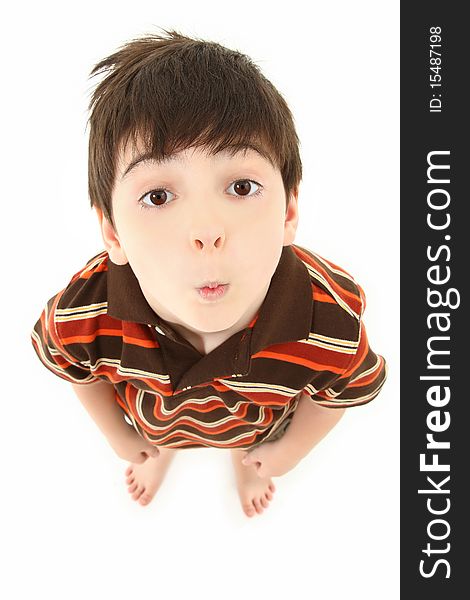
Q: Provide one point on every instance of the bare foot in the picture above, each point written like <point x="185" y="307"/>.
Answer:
<point x="255" y="492"/>
<point x="145" y="478"/>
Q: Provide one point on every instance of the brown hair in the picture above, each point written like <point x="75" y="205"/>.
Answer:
<point x="174" y="92"/>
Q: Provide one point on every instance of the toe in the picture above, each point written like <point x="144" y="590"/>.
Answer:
<point x="132" y="488"/>
<point x="272" y="487"/>
<point x="268" y="495"/>
<point x="138" y="493"/>
<point x="264" y="502"/>
<point x="130" y="480"/>
<point x="249" y="509"/>
<point x="259" y="508"/>
<point x="145" y="498"/>
<point x="128" y="470"/>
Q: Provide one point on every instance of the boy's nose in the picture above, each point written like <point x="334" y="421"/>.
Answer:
<point x="208" y="241"/>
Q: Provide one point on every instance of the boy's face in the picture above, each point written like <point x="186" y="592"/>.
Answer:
<point x="212" y="227"/>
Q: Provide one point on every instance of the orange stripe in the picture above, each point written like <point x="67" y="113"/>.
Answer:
<point x="371" y="378"/>
<point x="76" y="339"/>
<point x="351" y="295"/>
<point x="298" y="361"/>
<point x="142" y="343"/>
<point x="321" y="296"/>
<point x="111" y="332"/>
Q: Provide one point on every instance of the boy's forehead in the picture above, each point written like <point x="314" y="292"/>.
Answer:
<point x="132" y="156"/>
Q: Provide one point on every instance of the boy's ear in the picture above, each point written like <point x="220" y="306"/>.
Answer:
<point x="111" y="240"/>
<point x="291" y="219"/>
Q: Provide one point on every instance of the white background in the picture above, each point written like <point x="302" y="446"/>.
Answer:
<point x="69" y="527"/>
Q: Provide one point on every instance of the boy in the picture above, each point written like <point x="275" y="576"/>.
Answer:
<point x="201" y="322"/>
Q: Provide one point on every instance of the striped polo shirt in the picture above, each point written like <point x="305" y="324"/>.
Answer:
<point x="308" y="336"/>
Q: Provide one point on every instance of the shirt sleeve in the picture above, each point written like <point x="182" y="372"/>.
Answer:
<point x="52" y="351"/>
<point x="361" y="380"/>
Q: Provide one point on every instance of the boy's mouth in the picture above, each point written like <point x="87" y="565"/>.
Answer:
<point x="210" y="284"/>
<point x="212" y="290"/>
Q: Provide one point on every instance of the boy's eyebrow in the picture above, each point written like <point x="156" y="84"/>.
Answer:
<point x="147" y="157"/>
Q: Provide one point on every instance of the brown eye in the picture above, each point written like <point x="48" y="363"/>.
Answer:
<point x="242" y="187"/>
<point x="155" y="199"/>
